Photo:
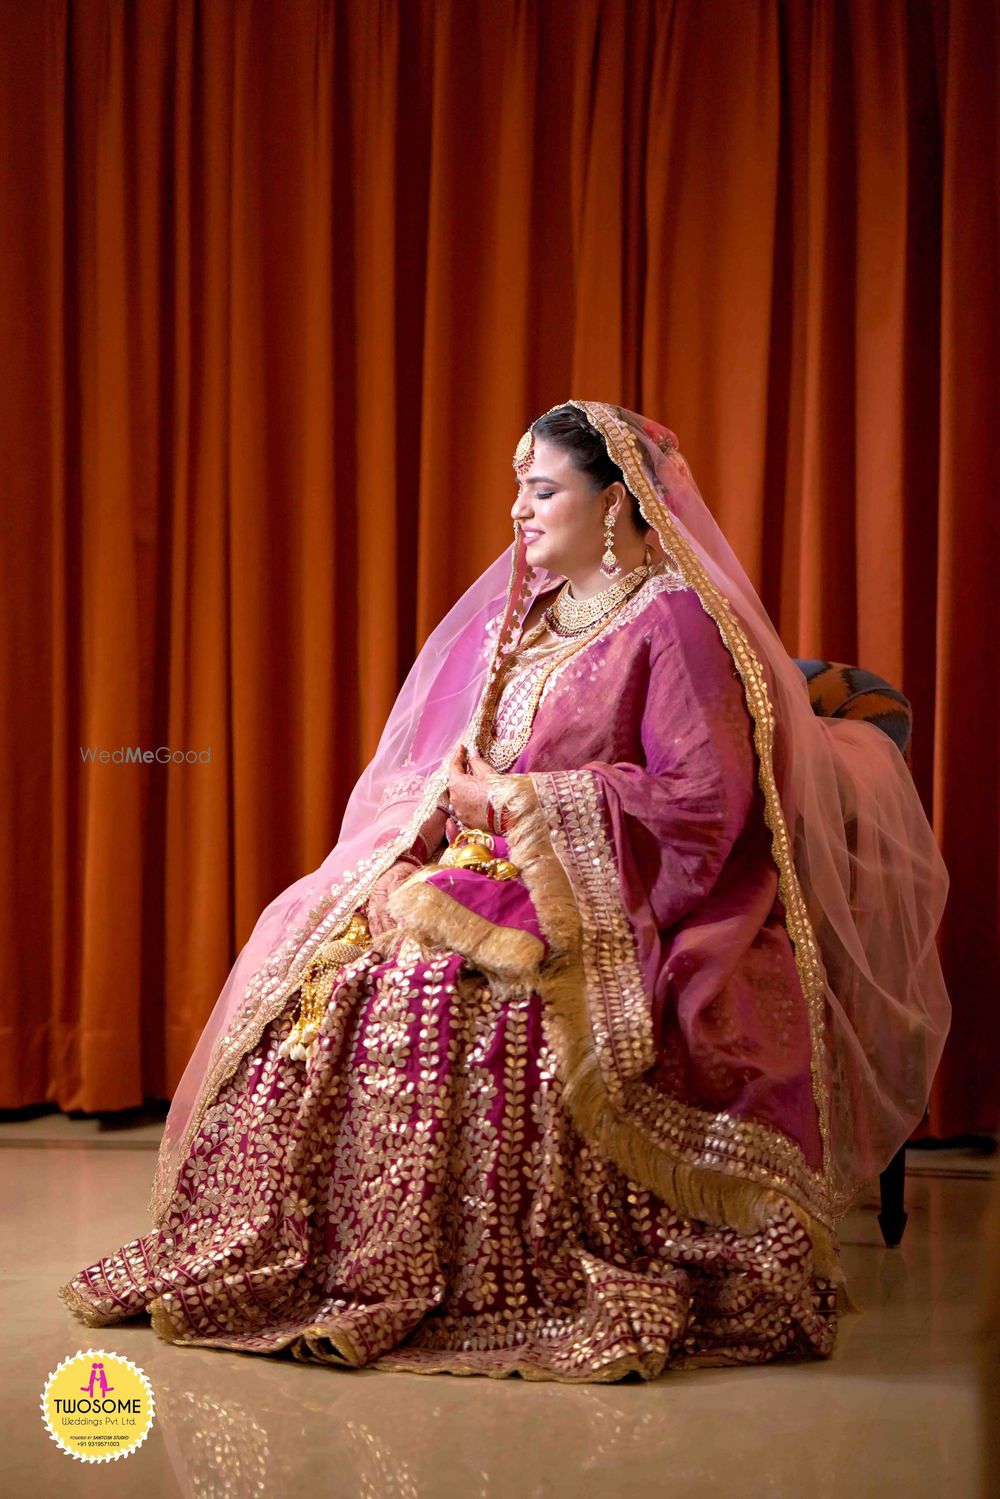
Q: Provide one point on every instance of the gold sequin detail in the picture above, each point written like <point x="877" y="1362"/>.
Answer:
<point x="270" y="988"/>
<point x="417" y="1199"/>
<point x="623" y="448"/>
<point x="618" y="1006"/>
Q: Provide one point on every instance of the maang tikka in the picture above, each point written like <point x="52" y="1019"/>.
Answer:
<point x="610" y="566"/>
<point x="524" y="452"/>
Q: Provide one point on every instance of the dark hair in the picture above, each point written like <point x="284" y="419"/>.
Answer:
<point x="569" y="428"/>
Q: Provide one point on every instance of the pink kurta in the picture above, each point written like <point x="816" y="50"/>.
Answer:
<point x="642" y="754"/>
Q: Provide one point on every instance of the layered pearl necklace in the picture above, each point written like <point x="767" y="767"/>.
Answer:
<point x="567" y="616"/>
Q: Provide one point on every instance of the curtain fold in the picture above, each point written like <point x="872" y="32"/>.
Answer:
<point x="282" y="286"/>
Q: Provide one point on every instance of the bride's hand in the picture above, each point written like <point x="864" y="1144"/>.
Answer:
<point x="379" y="920"/>
<point x="470" y="780"/>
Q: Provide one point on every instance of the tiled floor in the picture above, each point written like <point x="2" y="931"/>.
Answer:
<point x="895" y="1411"/>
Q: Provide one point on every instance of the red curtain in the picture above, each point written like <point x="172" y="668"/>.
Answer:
<point x="282" y="284"/>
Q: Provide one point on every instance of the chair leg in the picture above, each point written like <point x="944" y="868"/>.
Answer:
<point x="892" y="1182"/>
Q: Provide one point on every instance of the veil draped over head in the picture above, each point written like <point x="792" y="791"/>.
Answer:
<point x="860" y="877"/>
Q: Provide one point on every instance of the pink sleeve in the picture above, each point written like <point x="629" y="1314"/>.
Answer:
<point x="675" y="819"/>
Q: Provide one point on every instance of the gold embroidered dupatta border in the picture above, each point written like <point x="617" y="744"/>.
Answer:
<point x="762" y="1162"/>
<point x="712" y="1167"/>
<point x="623" y="448"/>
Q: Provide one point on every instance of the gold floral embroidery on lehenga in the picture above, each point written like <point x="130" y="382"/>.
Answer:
<point x="416" y="1199"/>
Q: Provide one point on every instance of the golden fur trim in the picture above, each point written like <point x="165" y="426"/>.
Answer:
<point x="438" y="921"/>
<point x="695" y="1191"/>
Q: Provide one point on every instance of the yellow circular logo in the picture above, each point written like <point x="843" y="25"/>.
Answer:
<point x="98" y="1406"/>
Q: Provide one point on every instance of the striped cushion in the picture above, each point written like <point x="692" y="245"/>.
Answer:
<point x="839" y="691"/>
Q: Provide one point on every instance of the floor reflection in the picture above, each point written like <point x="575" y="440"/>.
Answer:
<point x="894" y="1410"/>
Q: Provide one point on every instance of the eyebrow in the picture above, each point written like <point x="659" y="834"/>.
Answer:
<point x="537" y="479"/>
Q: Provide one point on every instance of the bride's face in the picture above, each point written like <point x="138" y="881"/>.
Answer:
<point x="561" y="515"/>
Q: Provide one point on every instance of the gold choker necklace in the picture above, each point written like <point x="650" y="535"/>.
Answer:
<point x="569" y="616"/>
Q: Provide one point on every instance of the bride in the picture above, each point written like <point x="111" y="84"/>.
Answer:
<point x="617" y="988"/>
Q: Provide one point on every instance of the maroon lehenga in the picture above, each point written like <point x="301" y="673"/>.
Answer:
<point x="419" y="1200"/>
<point x="461" y="1175"/>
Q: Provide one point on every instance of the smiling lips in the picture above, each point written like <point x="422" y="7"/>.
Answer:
<point x="530" y="534"/>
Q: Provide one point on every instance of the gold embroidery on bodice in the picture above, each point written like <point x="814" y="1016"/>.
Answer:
<point x="522" y="686"/>
<point x="532" y="668"/>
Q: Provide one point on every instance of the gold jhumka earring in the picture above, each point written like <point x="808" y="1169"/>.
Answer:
<point x="610" y="566"/>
